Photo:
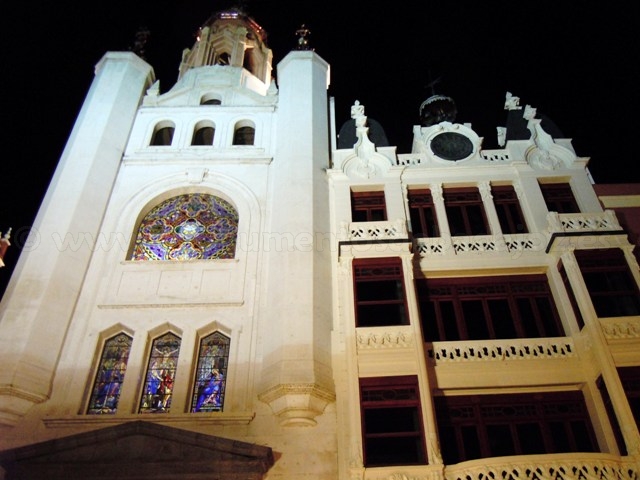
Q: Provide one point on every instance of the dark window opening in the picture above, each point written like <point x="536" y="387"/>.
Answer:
<point x="422" y="213"/>
<point x="559" y="198"/>
<point x="508" y="210"/>
<point x="611" y="415"/>
<point x="465" y="212"/>
<point x="162" y="136"/>
<point x="379" y="292"/>
<point x="453" y="309"/>
<point x="212" y="101"/>
<point x="392" y="429"/>
<point x="203" y="136"/>
<point x="483" y="426"/>
<point x="630" y="378"/>
<point x="611" y="285"/>
<point x="223" y="59"/>
<point x="244" y="136"/>
<point x="368" y="207"/>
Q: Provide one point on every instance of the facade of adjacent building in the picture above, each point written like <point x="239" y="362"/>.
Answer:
<point x="229" y="287"/>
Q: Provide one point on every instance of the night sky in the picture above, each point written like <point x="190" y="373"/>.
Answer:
<point x="577" y="64"/>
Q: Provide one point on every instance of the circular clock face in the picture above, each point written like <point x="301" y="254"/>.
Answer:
<point x="451" y="146"/>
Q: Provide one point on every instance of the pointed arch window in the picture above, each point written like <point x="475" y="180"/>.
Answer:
<point x="110" y="375"/>
<point x="163" y="134"/>
<point x="188" y="227"/>
<point x="211" y="374"/>
<point x="161" y="373"/>
<point x="244" y="133"/>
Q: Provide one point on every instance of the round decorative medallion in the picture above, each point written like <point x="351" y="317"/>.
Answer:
<point x="451" y="146"/>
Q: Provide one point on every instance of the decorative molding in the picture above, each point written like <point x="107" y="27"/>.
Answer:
<point x="297" y="404"/>
<point x="214" y="418"/>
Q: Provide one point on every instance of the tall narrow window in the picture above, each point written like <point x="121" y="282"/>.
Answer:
<point x="379" y="292"/>
<point x="559" y="197"/>
<point x="465" y="211"/>
<point x="392" y="429"/>
<point x="188" y="227"/>
<point x="244" y="135"/>
<point x="111" y="369"/>
<point x="163" y="134"/>
<point x="630" y="378"/>
<point x="482" y="426"/>
<point x="422" y="213"/>
<point x="211" y="374"/>
<point x="161" y="373"/>
<point x="611" y="285"/>
<point x="611" y="414"/>
<point x="508" y="209"/>
<point x="453" y="309"/>
<point x="368" y="206"/>
<point x="203" y="134"/>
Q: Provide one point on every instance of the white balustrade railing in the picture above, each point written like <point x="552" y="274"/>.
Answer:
<point x="582" y="222"/>
<point x="372" y="231"/>
<point x="511" y="349"/>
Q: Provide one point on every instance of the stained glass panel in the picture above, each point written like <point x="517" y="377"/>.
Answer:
<point x="211" y="374"/>
<point x="111" y="370"/>
<point x="188" y="227"/>
<point x="161" y="373"/>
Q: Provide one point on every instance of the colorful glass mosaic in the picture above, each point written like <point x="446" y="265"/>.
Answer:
<point x="110" y="375"/>
<point x="188" y="227"/>
<point x="211" y="374"/>
<point x="161" y="373"/>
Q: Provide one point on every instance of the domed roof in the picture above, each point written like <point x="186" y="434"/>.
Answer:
<point x="237" y="17"/>
<point x="436" y="109"/>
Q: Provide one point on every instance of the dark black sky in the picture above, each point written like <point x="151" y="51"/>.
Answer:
<point x="576" y="62"/>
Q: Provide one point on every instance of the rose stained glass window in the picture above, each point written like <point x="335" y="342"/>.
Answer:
<point x="211" y="374"/>
<point x="110" y="375"/>
<point x="188" y="227"/>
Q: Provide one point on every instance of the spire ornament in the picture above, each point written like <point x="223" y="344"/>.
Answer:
<point x="303" y="41"/>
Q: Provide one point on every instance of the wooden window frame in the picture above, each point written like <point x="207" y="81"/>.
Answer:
<point x="508" y="209"/>
<point x="446" y="304"/>
<point x="368" y="206"/>
<point x="609" y="281"/>
<point x="422" y="214"/>
<point x="465" y="212"/>
<point x="483" y="426"/>
<point x="385" y="299"/>
<point x="391" y="416"/>
<point x="559" y="197"/>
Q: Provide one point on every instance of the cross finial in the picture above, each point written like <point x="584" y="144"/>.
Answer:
<point x="303" y="42"/>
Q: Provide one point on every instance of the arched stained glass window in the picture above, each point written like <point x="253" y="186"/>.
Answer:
<point x="161" y="373"/>
<point x="188" y="227"/>
<point x="111" y="369"/>
<point x="211" y="374"/>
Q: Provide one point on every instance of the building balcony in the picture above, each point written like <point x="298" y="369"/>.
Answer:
<point x="557" y="466"/>
<point x="369" y="232"/>
<point x="567" y="224"/>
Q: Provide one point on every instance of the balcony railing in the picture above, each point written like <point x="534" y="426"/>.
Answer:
<point x="557" y="466"/>
<point x="373" y="231"/>
<point x="582" y="222"/>
<point x="511" y="349"/>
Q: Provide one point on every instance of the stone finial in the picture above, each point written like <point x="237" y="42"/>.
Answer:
<point x="512" y="102"/>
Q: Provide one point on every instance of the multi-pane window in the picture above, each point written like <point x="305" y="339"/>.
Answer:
<point x="392" y="429"/>
<point x="211" y="374"/>
<point x="559" y="197"/>
<point x="110" y="375"/>
<point x="379" y="292"/>
<point x="465" y="211"/>
<point x="508" y="209"/>
<point x="500" y="307"/>
<point x="482" y="426"/>
<point x="161" y="373"/>
<point x="611" y="285"/>
<point x="368" y="206"/>
<point x="422" y="213"/>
